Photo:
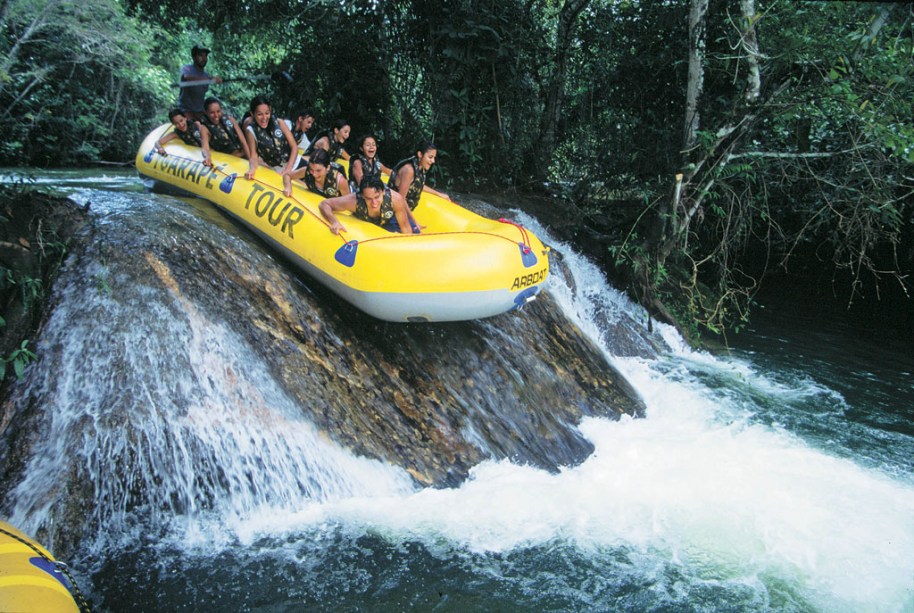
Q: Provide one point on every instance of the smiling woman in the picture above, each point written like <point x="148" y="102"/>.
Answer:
<point x="271" y="144"/>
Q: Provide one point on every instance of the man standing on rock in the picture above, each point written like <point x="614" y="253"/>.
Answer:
<point x="190" y="100"/>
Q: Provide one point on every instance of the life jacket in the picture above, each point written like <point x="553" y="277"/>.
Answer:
<point x="387" y="209"/>
<point x="415" y="188"/>
<point x="371" y="167"/>
<point x="192" y="135"/>
<point x="222" y="135"/>
<point x="331" y="189"/>
<point x="335" y="147"/>
<point x="272" y="145"/>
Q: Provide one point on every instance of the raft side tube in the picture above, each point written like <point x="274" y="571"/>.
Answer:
<point x="462" y="265"/>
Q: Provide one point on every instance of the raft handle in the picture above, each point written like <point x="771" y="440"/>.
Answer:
<point x="345" y="255"/>
<point x="526" y="296"/>
<point x="526" y="255"/>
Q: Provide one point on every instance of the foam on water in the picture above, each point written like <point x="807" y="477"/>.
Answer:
<point x="729" y="501"/>
<point x="697" y="483"/>
<point x="189" y="422"/>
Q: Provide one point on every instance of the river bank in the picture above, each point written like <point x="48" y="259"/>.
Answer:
<point x="36" y="230"/>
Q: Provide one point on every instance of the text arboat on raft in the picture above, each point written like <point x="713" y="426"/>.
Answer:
<point x="462" y="266"/>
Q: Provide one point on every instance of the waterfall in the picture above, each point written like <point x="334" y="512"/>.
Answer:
<point x="162" y="410"/>
<point x="172" y="415"/>
<point x="185" y="373"/>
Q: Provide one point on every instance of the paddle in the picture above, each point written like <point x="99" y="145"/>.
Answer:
<point x="277" y="77"/>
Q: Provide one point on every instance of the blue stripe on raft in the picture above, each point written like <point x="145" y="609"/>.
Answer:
<point x="51" y="568"/>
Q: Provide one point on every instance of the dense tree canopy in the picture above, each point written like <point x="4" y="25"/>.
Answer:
<point x="710" y="140"/>
<point x="72" y="75"/>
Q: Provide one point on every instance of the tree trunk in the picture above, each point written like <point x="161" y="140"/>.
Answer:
<point x="556" y="90"/>
<point x="674" y="221"/>
<point x="501" y="131"/>
<point x="670" y="228"/>
<point x="667" y="221"/>
<point x="873" y="31"/>
<point x="38" y="23"/>
<point x="697" y="13"/>
<point x="749" y="43"/>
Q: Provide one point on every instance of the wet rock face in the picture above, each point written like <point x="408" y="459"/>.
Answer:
<point x="438" y="399"/>
<point x="435" y="399"/>
<point x="169" y="314"/>
<point x="35" y="231"/>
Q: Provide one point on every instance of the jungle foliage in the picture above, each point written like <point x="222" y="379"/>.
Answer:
<point x="789" y="124"/>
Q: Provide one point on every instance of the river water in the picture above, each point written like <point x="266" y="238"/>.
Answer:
<point x="778" y="476"/>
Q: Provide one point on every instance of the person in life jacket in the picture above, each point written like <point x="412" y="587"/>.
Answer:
<point x="271" y="144"/>
<point x="374" y="203"/>
<point x="304" y="120"/>
<point x="332" y="141"/>
<point x="409" y="176"/>
<point x="187" y="130"/>
<point x="365" y="162"/>
<point x="320" y="178"/>
<point x="221" y="132"/>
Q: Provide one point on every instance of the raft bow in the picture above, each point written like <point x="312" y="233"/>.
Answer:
<point x="31" y="580"/>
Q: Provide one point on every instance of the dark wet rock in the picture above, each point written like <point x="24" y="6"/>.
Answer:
<point x="434" y="399"/>
<point x="36" y="230"/>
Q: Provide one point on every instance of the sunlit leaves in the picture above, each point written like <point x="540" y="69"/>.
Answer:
<point x="72" y="67"/>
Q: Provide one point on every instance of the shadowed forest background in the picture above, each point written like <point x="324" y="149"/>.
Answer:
<point x="693" y="147"/>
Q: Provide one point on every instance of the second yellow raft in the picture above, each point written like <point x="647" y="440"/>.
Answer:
<point x="30" y="579"/>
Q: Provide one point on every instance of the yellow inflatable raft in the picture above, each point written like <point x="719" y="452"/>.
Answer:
<point x="30" y="579"/>
<point x="462" y="266"/>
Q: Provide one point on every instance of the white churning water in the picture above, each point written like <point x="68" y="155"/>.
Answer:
<point x="698" y="483"/>
<point x="695" y="483"/>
